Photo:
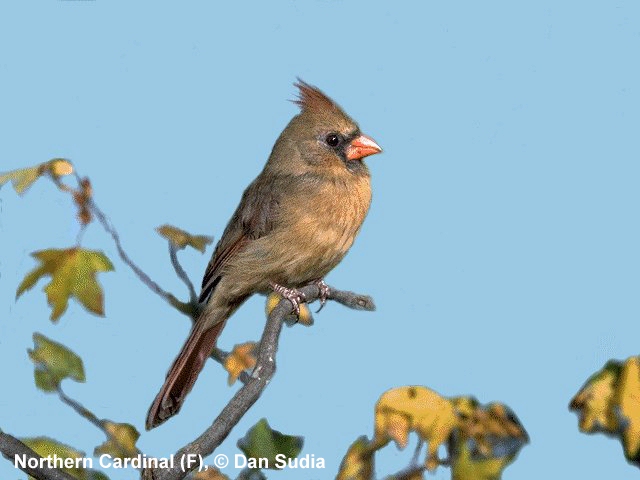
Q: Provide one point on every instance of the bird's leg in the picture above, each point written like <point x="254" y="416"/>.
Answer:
<point x="325" y="291"/>
<point x="295" y="296"/>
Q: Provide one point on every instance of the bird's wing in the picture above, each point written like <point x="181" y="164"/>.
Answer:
<point x="252" y="219"/>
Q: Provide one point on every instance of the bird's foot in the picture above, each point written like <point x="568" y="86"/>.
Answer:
<point x="325" y="291"/>
<point x="295" y="296"/>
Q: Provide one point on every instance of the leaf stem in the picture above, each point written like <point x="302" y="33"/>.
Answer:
<point x="80" y="409"/>
<point x="89" y="415"/>
<point x="190" y="309"/>
<point x="182" y="275"/>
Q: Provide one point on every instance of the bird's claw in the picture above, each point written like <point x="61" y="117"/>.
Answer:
<point x="325" y="291"/>
<point x="295" y="296"/>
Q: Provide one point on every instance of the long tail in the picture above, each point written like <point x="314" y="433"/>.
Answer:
<point x="184" y="372"/>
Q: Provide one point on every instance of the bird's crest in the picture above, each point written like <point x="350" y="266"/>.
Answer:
<point x="311" y="98"/>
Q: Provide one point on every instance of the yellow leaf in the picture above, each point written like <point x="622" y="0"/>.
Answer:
<point x="357" y="464"/>
<point x="60" y="167"/>
<point x="181" y="239"/>
<point x="305" y="318"/>
<point x="73" y="274"/>
<point x="22" y="179"/>
<point x="405" y="409"/>
<point x="609" y="402"/>
<point x="240" y="359"/>
<point x="121" y="441"/>
<point x="397" y="428"/>
<point x="628" y="398"/>
<point x="595" y="400"/>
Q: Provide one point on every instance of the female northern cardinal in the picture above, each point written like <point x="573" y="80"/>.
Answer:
<point x="295" y="222"/>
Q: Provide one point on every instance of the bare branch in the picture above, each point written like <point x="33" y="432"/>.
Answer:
<point x="182" y="275"/>
<point x="11" y="448"/>
<point x="190" y="309"/>
<point x="352" y="300"/>
<point x="249" y="393"/>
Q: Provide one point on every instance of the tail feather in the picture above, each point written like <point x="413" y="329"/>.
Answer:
<point x="183" y="374"/>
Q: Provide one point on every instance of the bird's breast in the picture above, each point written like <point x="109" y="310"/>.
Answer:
<point x="315" y="225"/>
<point x="321" y="228"/>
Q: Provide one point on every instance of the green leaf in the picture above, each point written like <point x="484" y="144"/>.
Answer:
<point x="121" y="442"/>
<point x="47" y="447"/>
<point x="466" y="467"/>
<point x="181" y="239"/>
<point x="54" y="362"/>
<point x="263" y="442"/>
<point x="210" y="473"/>
<point x="357" y="464"/>
<point x="96" y="475"/>
<point x="73" y="274"/>
<point x="250" y="474"/>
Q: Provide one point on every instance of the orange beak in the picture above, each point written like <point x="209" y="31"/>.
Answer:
<point x="361" y="147"/>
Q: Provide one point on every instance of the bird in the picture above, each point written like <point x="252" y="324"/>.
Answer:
<point x="294" y="224"/>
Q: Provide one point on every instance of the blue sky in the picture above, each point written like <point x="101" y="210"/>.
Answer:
<point x="501" y="246"/>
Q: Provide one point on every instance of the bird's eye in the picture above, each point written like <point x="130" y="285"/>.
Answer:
<point x="332" y="140"/>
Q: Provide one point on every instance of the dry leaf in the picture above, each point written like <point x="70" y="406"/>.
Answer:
<point x="305" y="318"/>
<point x="181" y="239"/>
<point x="82" y="199"/>
<point x="240" y="359"/>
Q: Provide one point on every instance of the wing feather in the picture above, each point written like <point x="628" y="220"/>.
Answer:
<point x="253" y="219"/>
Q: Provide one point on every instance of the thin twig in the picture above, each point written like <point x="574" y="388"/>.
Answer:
<point x="182" y="275"/>
<point x="188" y="309"/>
<point x="81" y="410"/>
<point x="249" y="393"/>
<point x="89" y="415"/>
<point x="11" y="448"/>
<point x="416" y="453"/>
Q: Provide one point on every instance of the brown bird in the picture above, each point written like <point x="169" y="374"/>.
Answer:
<point x="295" y="222"/>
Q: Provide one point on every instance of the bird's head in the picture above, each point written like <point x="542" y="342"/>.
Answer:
<point x="321" y="139"/>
